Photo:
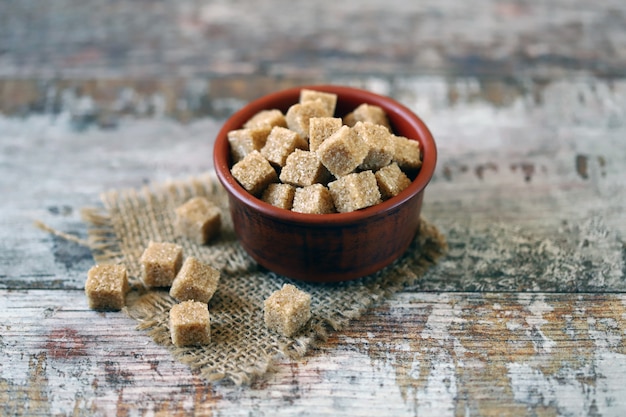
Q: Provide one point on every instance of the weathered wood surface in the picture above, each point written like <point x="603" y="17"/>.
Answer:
<point x="524" y="316"/>
<point x="197" y="38"/>
<point x="420" y="353"/>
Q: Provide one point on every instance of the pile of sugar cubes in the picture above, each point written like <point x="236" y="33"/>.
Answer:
<point x="309" y="161"/>
<point x="191" y="282"/>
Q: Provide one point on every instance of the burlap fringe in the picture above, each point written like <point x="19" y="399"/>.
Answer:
<point x="101" y="236"/>
<point x="41" y="225"/>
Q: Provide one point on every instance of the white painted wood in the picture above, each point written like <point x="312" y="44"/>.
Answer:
<point x="527" y="102"/>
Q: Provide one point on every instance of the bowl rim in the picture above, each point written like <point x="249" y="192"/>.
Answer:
<point x="394" y="110"/>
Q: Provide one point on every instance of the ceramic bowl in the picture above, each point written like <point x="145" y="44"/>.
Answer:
<point x="327" y="247"/>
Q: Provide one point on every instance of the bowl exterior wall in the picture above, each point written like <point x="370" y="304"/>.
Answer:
<point x="335" y="247"/>
<point x="327" y="252"/>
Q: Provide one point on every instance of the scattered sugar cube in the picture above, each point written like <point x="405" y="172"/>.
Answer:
<point x="367" y="113"/>
<point x="254" y="173"/>
<point x="355" y="191"/>
<point x="313" y="199"/>
<point x="377" y="139"/>
<point x="280" y="143"/>
<point x="406" y="153"/>
<point x="160" y="262"/>
<point x="244" y="141"/>
<point x="106" y="287"/>
<point x="195" y="281"/>
<point x="287" y="310"/>
<point x="303" y="168"/>
<point x="391" y="180"/>
<point x="329" y="99"/>
<point x="279" y="195"/>
<point x="190" y="324"/>
<point x="342" y="152"/>
<point x="299" y="114"/>
<point x="321" y="128"/>
<point x="266" y="118"/>
<point x="198" y="219"/>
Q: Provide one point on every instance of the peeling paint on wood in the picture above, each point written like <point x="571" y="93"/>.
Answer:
<point x="525" y="316"/>
<point x="449" y="353"/>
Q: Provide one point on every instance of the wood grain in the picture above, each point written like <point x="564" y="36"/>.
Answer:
<point x="193" y="38"/>
<point x="527" y="101"/>
<point x="454" y="353"/>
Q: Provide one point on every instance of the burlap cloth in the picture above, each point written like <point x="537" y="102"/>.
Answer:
<point x="241" y="347"/>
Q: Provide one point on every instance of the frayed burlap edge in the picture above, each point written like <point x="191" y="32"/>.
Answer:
<point x="151" y="309"/>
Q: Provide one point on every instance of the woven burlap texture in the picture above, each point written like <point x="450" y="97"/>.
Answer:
<point x="241" y="347"/>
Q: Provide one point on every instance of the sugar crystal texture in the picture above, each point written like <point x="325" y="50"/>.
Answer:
<point x="266" y="118"/>
<point x="342" y="152"/>
<point x="328" y="99"/>
<point x="303" y="168"/>
<point x="313" y="199"/>
<point x="368" y="113"/>
<point x="244" y="141"/>
<point x="254" y="173"/>
<point x="279" y="195"/>
<point x="281" y="142"/>
<point x="190" y="324"/>
<point x="406" y="153"/>
<point x="299" y="114"/>
<point x="195" y="281"/>
<point x="160" y="262"/>
<point x="106" y="287"/>
<point x="198" y="219"/>
<point x="378" y="141"/>
<point x="391" y="180"/>
<point x="320" y="129"/>
<point x="355" y="191"/>
<point x="287" y="310"/>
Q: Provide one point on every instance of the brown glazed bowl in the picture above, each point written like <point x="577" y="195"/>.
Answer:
<point x="327" y="247"/>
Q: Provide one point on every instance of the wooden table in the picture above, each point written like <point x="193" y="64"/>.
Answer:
<point x="525" y="315"/>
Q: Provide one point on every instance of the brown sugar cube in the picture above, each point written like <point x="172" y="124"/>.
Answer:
<point x="406" y="153"/>
<point x="313" y="199"/>
<point x="355" y="191"/>
<point x="391" y="180"/>
<point x="304" y="168"/>
<point x="266" y="118"/>
<point x="367" y="113"/>
<point x="195" y="281"/>
<point x="380" y="150"/>
<point x="329" y="99"/>
<point x="254" y="173"/>
<point x="190" y="324"/>
<point x="321" y="128"/>
<point x="160" y="262"/>
<point x="244" y="141"/>
<point x="342" y="152"/>
<point x="287" y="310"/>
<point x="106" y="287"/>
<point x="279" y="195"/>
<point x="280" y="143"/>
<point x="198" y="219"/>
<point x="299" y="114"/>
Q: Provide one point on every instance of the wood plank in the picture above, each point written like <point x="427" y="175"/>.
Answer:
<point x="449" y="353"/>
<point x="188" y="38"/>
